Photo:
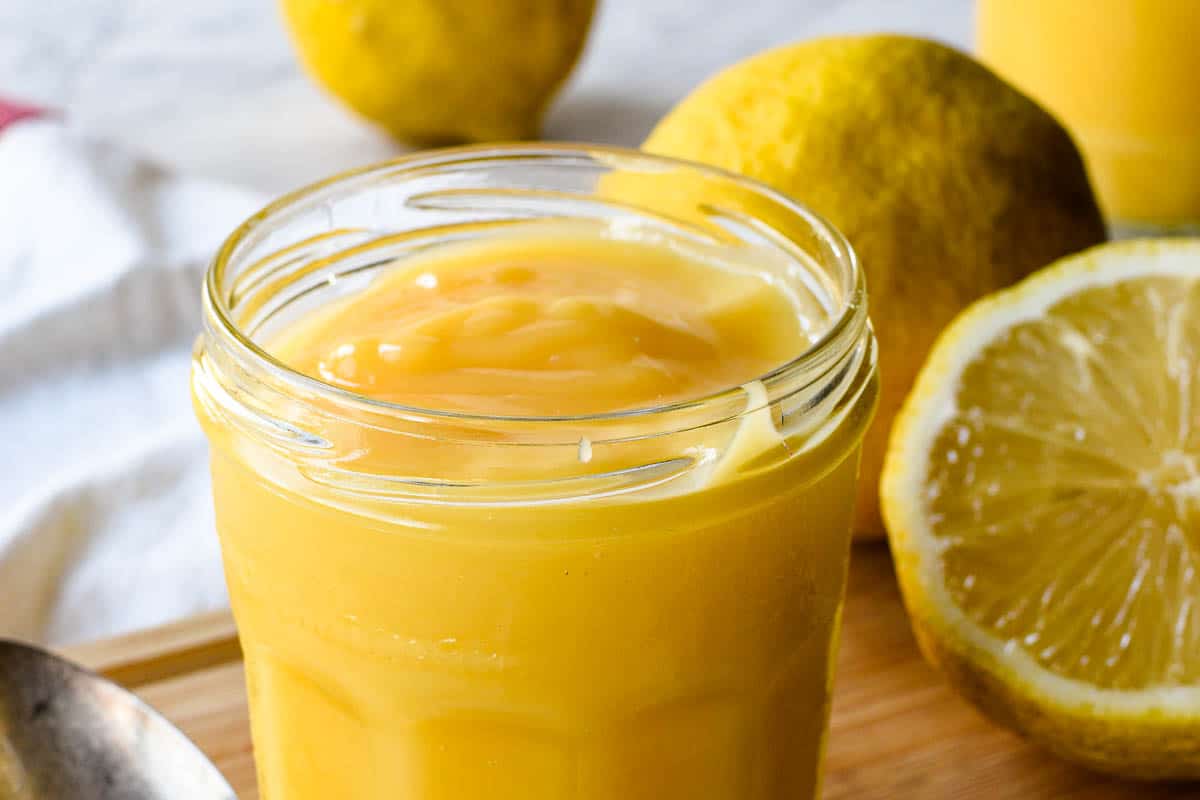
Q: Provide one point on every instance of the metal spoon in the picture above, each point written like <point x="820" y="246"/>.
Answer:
<point x="67" y="734"/>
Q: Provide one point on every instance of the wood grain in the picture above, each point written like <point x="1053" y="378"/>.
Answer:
<point x="162" y="653"/>
<point x="898" y="733"/>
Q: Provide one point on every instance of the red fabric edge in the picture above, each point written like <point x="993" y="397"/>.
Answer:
<point x="11" y="112"/>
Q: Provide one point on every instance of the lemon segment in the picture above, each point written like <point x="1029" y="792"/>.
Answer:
<point x="1042" y="495"/>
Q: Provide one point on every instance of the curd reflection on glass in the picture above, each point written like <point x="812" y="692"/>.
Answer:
<point x="1124" y="76"/>
<point x="525" y="492"/>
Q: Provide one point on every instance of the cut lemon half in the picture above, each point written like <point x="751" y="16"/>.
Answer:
<point x="1042" y="498"/>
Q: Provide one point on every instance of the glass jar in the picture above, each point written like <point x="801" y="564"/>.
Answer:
<point x="441" y="606"/>
<point x="1124" y="76"/>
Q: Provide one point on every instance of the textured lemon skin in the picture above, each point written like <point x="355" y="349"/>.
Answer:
<point x="1158" y="742"/>
<point x="1141" y="748"/>
<point x="435" y="72"/>
<point x="949" y="183"/>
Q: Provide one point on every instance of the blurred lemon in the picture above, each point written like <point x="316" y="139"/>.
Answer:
<point x="432" y="72"/>
<point x="948" y="182"/>
<point x="1042" y="495"/>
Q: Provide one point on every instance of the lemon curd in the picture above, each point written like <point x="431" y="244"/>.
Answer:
<point x="550" y="516"/>
<point x="550" y="326"/>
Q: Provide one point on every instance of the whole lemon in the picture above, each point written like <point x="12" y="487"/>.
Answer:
<point x="948" y="182"/>
<point x="431" y="71"/>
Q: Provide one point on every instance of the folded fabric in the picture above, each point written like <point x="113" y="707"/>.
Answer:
<point x="105" y="521"/>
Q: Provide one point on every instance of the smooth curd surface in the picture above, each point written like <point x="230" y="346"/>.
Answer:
<point x="550" y="327"/>
<point x="665" y="644"/>
<point x="1122" y="75"/>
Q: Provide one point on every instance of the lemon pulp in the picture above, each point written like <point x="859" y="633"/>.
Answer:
<point x="1041" y="492"/>
<point x="1064" y="491"/>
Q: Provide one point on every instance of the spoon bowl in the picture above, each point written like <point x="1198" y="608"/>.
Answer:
<point x="69" y="734"/>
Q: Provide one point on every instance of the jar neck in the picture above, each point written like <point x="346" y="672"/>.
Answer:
<point x="354" y="446"/>
<point x="328" y="241"/>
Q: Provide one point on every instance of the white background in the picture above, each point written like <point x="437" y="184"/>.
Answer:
<point x="211" y="85"/>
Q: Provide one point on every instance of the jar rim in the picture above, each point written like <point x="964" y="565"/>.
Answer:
<point x="844" y="331"/>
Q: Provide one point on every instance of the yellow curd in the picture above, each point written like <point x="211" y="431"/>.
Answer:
<point x="550" y="326"/>
<point x="567" y="535"/>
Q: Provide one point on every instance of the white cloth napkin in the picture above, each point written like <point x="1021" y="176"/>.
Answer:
<point x="105" y="519"/>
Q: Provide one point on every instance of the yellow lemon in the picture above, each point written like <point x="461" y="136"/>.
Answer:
<point x="1042" y="496"/>
<point x="431" y="71"/>
<point x="948" y="182"/>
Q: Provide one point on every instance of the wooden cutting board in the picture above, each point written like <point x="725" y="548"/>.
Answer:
<point x="898" y="732"/>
